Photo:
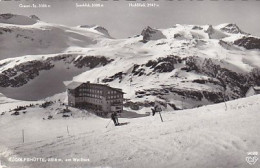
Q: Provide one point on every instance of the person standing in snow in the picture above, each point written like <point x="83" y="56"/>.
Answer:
<point x="117" y="118"/>
<point x="153" y="111"/>
<point x="156" y="108"/>
<point x="114" y="117"/>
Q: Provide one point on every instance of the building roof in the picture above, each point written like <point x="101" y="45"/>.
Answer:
<point x="106" y="85"/>
<point x="74" y="85"/>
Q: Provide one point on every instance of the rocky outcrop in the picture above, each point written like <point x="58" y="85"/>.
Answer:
<point x="228" y="84"/>
<point x="198" y="95"/>
<point x="152" y="34"/>
<point x="232" y="28"/>
<point x="102" y="30"/>
<point x="215" y="34"/>
<point x="238" y="83"/>
<point x="5" y="30"/>
<point x="24" y="72"/>
<point x="34" y="17"/>
<point x="197" y="28"/>
<point x="160" y="65"/>
<point x="91" y="61"/>
<point x="248" y="42"/>
<point x="227" y="45"/>
<point x="138" y="105"/>
<point x="97" y="28"/>
<point x="164" y="64"/>
<point x="118" y="75"/>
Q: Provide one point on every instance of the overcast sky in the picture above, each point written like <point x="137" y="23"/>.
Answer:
<point x="123" y="21"/>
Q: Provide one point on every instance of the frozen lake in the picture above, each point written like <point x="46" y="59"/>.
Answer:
<point x="46" y="84"/>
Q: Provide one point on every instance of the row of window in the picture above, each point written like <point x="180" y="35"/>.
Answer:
<point x="115" y="96"/>
<point x="98" y="100"/>
<point x="89" y="95"/>
<point x="98" y="96"/>
<point x="90" y="90"/>
<point x="112" y="92"/>
<point x="90" y="100"/>
<point x="96" y="91"/>
<point x="114" y="101"/>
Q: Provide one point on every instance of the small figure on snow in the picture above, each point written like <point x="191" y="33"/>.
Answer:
<point x="114" y="117"/>
<point x="156" y="108"/>
<point x="153" y="111"/>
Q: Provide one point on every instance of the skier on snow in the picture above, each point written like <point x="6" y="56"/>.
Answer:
<point x="156" y="108"/>
<point x="114" y="117"/>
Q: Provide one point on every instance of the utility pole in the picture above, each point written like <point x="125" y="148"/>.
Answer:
<point x="182" y="103"/>
<point x="68" y="130"/>
<point x="23" y="135"/>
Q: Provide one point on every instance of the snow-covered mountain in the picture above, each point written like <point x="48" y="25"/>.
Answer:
<point x="18" y="19"/>
<point x="184" y="66"/>
<point x="21" y="35"/>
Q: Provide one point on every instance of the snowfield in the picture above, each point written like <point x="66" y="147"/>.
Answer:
<point x="183" y="67"/>
<point x="205" y="137"/>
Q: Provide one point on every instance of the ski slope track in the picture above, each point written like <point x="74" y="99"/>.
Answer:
<point x="189" y="69"/>
<point x="208" y="136"/>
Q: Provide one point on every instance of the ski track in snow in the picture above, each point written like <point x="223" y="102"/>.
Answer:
<point x="207" y="136"/>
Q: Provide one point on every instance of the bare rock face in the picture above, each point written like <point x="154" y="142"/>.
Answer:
<point x="232" y="28"/>
<point x="97" y="28"/>
<point x="248" y="42"/>
<point x="210" y="30"/>
<point x="197" y="28"/>
<point x="215" y="34"/>
<point x="152" y="34"/>
<point x="228" y="45"/>
<point x="6" y="16"/>
<point x="35" y="17"/>
<point x="102" y="30"/>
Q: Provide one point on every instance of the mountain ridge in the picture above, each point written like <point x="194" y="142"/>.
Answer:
<point x="185" y="65"/>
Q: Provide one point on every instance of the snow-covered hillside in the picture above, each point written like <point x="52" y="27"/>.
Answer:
<point x="21" y="35"/>
<point x="208" y="136"/>
<point x="184" y="66"/>
<point x="18" y="19"/>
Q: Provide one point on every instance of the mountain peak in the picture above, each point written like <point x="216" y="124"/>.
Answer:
<point x="151" y="34"/>
<point x="35" y="17"/>
<point x="230" y="28"/>
<point x="97" y="28"/>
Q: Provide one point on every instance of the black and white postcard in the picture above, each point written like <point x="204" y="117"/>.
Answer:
<point x="129" y="83"/>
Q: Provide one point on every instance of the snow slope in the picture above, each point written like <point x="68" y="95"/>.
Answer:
<point x="18" y="19"/>
<point x="209" y="136"/>
<point x="166" y="64"/>
<point x="21" y="35"/>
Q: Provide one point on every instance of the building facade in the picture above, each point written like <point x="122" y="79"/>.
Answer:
<point x="100" y="98"/>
